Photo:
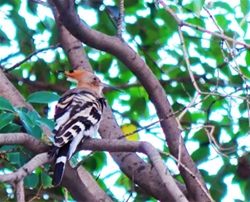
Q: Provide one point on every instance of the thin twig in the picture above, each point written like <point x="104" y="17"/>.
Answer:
<point x="237" y="68"/>
<point x="120" y="19"/>
<point x="190" y="172"/>
<point x="216" y="34"/>
<point x="30" y="56"/>
<point x="37" y="194"/>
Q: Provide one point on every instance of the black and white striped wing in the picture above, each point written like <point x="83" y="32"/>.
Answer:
<point x="77" y="113"/>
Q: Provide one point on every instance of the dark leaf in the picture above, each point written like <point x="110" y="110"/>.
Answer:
<point x="5" y="118"/>
<point x="43" y="97"/>
<point x="6" y="105"/>
<point x="31" y="180"/>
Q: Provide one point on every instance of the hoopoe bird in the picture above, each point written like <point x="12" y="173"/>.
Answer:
<point x="78" y="114"/>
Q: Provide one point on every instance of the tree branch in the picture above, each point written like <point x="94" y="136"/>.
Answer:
<point x="25" y="140"/>
<point x="30" y="56"/>
<point x="141" y="172"/>
<point x="120" y="19"/>
<point x="171" y="188"/>
<point x="28" y="168"/>
<point x="20" y="192"/>
<point x="133" y="61"/>
<point x="216" y="34"/>
<point x="9" y="92"/>
<point x="71" y="45"/>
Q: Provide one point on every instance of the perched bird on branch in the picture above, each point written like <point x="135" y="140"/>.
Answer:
<point x="78" y="114"/>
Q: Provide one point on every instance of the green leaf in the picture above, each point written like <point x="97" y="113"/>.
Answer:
<point x="218" y="190"/>
<point x="5" y="118"/>
<point x="13" y="158"/>
<point x="6" y="105"/>
<point x="4" y="40"/>
<point x="35" y="131"/>
<point x="130" y="3"/>
<point x="31" y="180"/>
<point x="25" y="118"/>
<point x="47" y="122"/>
<point x="46" y="180"/>
<point x="30" y="124"/>
<point x="245" y="6"/>
<point x="201" y="136"/>
<point x="10" y="128"/>
<point x="123" y="181"/>
<point x="96" y="161"/>
<point x="42" y="97"/>
<point x="197" y="5"/>
<point x="140" y="105"/>
<point x="200" y="154"/>
<point x="25" y="156"/>
<point x="223" y="5"/>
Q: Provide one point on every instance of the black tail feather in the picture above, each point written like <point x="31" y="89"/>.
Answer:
<point x="58" y="173"/>
<point x="60" y="165"/>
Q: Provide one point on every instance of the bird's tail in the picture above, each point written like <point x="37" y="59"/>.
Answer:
<point x="60" y="165"/>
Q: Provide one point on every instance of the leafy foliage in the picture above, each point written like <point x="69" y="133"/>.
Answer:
<point x="216" y="120"/>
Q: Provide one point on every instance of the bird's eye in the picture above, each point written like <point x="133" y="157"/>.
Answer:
<point x="95" y="79"/>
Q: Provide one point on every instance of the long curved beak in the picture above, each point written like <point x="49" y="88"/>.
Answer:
<point x="111" y="87"/>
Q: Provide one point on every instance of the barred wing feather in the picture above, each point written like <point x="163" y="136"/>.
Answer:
<point x="78" y="114"/>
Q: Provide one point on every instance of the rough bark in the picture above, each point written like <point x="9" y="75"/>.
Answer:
<point x="134" y="167"/>
<point x="132" y="60"/>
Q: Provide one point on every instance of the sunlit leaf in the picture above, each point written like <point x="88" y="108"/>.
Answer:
<point x="123" y="181"/>
<point x="95" y="162"/>
<point x="245" y="6"/>
<point x="197" y="5"/>
<point x="46" y="180"/>
<point x="128" y="129"/>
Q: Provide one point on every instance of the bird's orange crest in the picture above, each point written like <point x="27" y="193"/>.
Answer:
<point x="76" y="74"/>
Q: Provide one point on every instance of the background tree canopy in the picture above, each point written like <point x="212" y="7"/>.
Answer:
<point x="184" y="69"/>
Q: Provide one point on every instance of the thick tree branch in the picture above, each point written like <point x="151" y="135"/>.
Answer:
<point x="20" y="191"/>
<point x="71" y="45"/>
<point x="110" y="145"/>
<point x="25" y="140"/>
<point x="78" y="60"/>
<point x="135" y="168"/>
<point x="28" y="168"/>
<point x="156" y="93"/>
<point x="9" y="92"/>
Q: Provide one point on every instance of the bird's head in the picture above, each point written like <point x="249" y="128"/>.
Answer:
<point x="87" y="80"/>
